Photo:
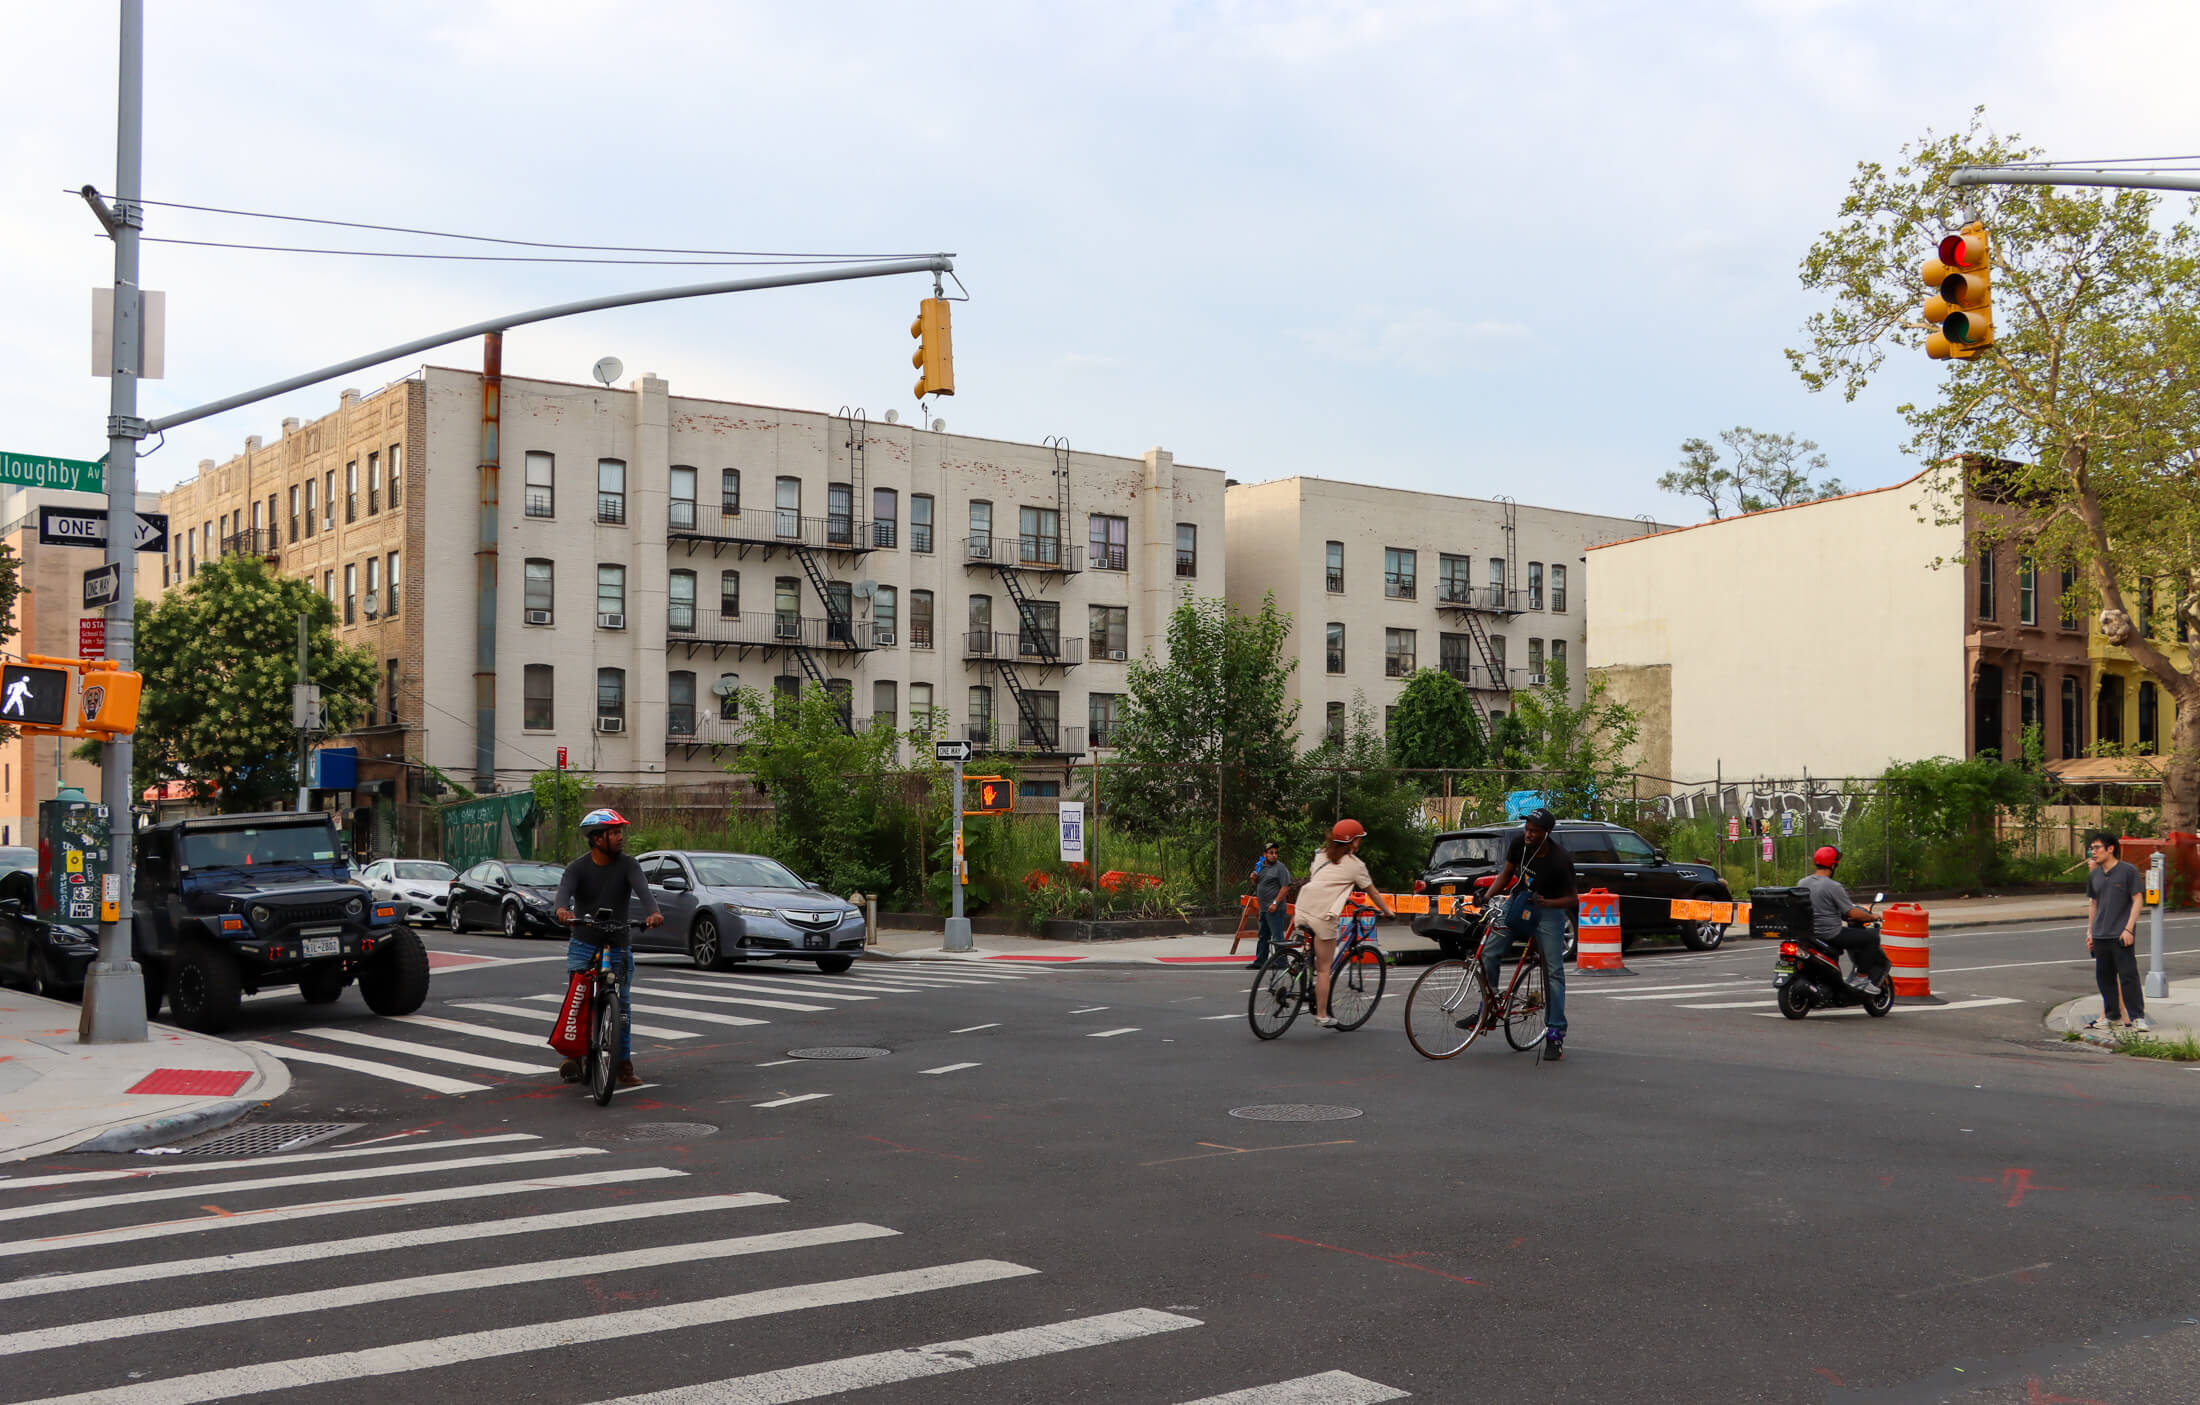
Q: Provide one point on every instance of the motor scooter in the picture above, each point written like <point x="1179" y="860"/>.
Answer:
<point x="1808" y="976"/>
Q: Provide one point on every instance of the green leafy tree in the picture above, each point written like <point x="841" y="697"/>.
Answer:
<point x="1574" y="752"/>
<point x="1770" y="470"/>
<point x="2080" y="424"/>
<point x="561" y="798"/>
<point x="1436" y="725"/>
<point x="1357" y="779"/>
<point x="829" y="790"/>
<point x="219" y="658"/>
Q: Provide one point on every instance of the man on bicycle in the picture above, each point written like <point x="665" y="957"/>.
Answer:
<point x="605" y="877"/>
<point x="1535" y="906"/>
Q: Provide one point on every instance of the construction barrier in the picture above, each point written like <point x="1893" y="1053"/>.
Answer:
<point x="1248" y="927"/>
<point x="1597" y="939"/>
<point x="1705" y="910"/>
<point x="1904" y="933"/>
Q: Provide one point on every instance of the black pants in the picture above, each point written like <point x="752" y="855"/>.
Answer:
<point x="2115" y="964"/>
<point x="1862" y="945"/>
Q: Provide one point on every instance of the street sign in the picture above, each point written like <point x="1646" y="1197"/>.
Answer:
<point x="951" y="751"/>
<point x="46" y="471"/>
<point x="34" y="697"/>
<point x="1070" y="819"/>
<point x="102" y="587"/>
<point x="87" y="526"/>
<point x="91" y="638"/>
<point x="561" y="758"/>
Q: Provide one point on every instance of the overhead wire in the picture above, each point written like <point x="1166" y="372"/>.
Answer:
<point x="504" y="258"/>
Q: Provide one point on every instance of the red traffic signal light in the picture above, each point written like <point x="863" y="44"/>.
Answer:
<point x="1962" y="301"/>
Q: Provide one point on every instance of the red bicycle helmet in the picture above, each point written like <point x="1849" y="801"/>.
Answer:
<point x="1826" y="857"/>
<point x="1345" y="831"/>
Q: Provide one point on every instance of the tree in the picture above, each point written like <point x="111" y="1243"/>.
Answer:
<point x="1436" y="725"/>
<point x="561" y="797"/>
<point x="1574" y="753"/>
<point x="2081" y="422"/>
<point x="829" y="789"/>
<point x="1357" y="779"/>
<point x="1770" y="470"/>
<point x="219" y="658"/>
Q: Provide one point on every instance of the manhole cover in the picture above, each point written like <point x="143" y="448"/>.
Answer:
<point x="839" y="1051"/>
<point x="650" y="1132"/>
<point x="266" y="1138"/>
<point x="1294" y="1112"/>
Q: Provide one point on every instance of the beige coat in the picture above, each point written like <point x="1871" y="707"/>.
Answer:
<point x="1328" y="886"/>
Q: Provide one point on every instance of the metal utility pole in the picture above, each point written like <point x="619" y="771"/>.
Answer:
<point x="114" y="988"/>
<point x="2157" y="982"/>
<point x="956" y="937"/>
<point x="301" y="709"/>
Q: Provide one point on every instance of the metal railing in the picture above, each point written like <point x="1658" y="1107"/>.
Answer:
<point x="1336" y="582"/>
<point x="920" y="536"/>
<point x="1496" y="599"/>
<point x="252" y="541"/>
<point x="766" y="628"/>
<point x="884" y="531"/>
<point x="1048" y="739"/>
<point x="1187" y="563"/>
<point x="1012" y="647"/>
<point x="766" y="526"/>
<point x="542" y="502"/>
<point x="1109" y="557"/>
<point x="611" y="507"/>
<point x="1027" y="553"/>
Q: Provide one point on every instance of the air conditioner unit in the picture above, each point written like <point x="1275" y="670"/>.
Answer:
<point x="883" y="639"/>
<point x="611" y="724"/>
<point x="1116" y="655"/>
<point x="611" y="621"/>
<point x="538" y="617"/>
<point x="1027" y="647"/>
<point x="787" y="629"/>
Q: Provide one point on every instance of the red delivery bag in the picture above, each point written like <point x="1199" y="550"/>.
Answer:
<point x="569" y="1036"/>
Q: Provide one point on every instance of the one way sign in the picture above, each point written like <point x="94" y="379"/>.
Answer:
<point x="87" y="526"/>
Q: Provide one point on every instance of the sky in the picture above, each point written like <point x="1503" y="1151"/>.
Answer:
<point x="1479" y="247"/>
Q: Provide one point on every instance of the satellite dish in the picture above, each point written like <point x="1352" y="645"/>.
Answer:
<point x="893" y="417"/>
<point x="726" y="685"/>
<point x="866" y="589"/>
<point x="938" y="426"/>
<point x="609" y="370"/>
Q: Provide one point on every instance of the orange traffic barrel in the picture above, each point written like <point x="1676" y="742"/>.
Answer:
<point x="1904" y="935"/>
<point x="1596" y="933"/>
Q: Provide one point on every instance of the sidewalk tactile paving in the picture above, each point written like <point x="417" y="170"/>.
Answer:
<point x="191" y="1082"/>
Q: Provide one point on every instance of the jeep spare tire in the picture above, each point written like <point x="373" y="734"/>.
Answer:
<point x="204" y="987"/>
<point x="395" y="982"/>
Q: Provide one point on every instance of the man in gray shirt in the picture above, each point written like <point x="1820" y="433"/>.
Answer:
<point x="2115" y="894"/>
<point x="1271" y="878"/>
<point x="1839" y="923"/>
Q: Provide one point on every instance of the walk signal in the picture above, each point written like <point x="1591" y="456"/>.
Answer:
<point x="1962" y="303"/>
<point x="34" y="697"/>
<point x="991" y="795"/>
<point x="935" y="354"/>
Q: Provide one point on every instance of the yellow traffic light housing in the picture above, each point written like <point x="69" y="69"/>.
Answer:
<point x="1961" y="307"/>
<point x="990" y="795"/>
<point x="935" y="354"/>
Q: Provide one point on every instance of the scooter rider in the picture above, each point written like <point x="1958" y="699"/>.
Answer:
<point x="1842" y="925"/>
<point x="605" y="877"/>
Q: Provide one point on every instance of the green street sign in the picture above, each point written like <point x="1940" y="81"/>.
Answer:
<point x="45" y="471"/>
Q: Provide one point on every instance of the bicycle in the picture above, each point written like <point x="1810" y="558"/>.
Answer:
<point x="607" y="1011"/>
<point x="1434" y="1025"/>
<point x="1357" y="977"/>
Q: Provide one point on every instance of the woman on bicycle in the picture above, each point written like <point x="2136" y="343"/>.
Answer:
<point x="1336" y="874"/>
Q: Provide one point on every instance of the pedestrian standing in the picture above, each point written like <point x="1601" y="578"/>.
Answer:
<point x="2115" y="894"/>
<point x="1271" y="881"/>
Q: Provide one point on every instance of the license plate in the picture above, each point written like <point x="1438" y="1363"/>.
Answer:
<point x="323" y="946"/>
<point x="1448" y="889"/>
<point x="814" y="939"/>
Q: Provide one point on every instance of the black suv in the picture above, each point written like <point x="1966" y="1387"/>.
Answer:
<point x="230" y="905"/>
<point x="1607" y="856"/>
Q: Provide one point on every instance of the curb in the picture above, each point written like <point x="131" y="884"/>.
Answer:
<point x="173" y="1128"/>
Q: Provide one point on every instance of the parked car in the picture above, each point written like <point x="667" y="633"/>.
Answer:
<point x="514" y="896"/>
<point x="421" y="888"/>
<point x="38" y="955"/>
<point x="1608" y="856"/>
<point x="724" y="908"/>
<point x="18" y="858"/>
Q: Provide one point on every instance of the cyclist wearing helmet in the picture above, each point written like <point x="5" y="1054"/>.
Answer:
<point x="1536" y="906"/>
<point x="605" y="877"/>
<point x="1334" y="876"/>
<point x="1842" y="925"/>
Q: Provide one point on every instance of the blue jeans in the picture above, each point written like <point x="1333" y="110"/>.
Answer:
<point x="579" y="956"/>
<point x="1549" y="926"/>
<point x="1274" y="926"/>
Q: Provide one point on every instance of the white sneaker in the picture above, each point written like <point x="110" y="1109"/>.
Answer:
<point x="2141" y="1025"/>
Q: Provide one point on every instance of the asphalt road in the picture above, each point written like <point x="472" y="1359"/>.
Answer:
<point x="1040" y="1194"/>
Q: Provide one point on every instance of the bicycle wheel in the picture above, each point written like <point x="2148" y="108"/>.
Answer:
<point x="1446" y="993"/>
<point x="1357" y="987"/>
<point x="604" y="1075"/>
<point x="1278" y="992"/>
<point x="1527" y="1006"/>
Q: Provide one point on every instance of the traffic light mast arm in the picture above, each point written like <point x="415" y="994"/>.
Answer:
<point x="2032" y="175"/>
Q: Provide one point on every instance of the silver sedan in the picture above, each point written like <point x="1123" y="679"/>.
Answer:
<point x="724" y="908"/>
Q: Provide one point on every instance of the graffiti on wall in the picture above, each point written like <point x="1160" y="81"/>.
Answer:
<point x="1815" y="808"/>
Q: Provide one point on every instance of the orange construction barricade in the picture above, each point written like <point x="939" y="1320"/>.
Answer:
<point x="1596" y="933"/>
<point x="1904" y="934"/>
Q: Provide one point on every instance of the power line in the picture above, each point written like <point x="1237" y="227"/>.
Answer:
<point x="515" y="258"/>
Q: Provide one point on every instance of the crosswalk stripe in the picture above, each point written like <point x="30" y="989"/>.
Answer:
<point x="464" y="1347"/>
<point x="1731" y="1005"/>
<point x="808" y="983"/>
<point x="1089" y="1009"/>
<point x="1232" y="1016"/>
<point x="186" y="1166"/>
<point x="1899" y="1009"/>
<point x="797" y="1098"/>
<point x="475" y="1031"/>
<point x="314" y="1251"/>
<point x="432" y="1052"/>
<point x="974" y="1028"/>
<point x="699" y="1016"/>
<point x="948" y="1068"/>
<point x="1670" y="992"/>
<point x="1111" y="1033"/>
<point x="1328" y="1388"/>
<point x="923" y="982"/>
<point x="829" y="1378"/>
<point x="464" y="1280"/>
<point x="763" y="988"/>
<point x="662" y="991"/>
<point x="653" y="1031"/>
<point x="313" y="1209"/>
<point x="959" y="970"/>
<point x="355" y="1173"/>
<point x="433" y="1082"/>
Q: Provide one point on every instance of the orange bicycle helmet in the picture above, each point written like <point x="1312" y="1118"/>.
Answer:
<point x="1345" y="831"/>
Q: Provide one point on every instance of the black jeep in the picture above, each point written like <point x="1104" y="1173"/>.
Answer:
<point x="230" y="905"/>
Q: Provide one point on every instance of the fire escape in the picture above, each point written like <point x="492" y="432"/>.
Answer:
<point x="1472" y="608"/>
<point x="1041" y="558"/>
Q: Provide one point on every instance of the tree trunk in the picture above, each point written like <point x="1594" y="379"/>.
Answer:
<point x="2181" y="766"/>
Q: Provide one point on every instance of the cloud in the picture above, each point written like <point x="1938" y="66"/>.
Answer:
<point x="1422" y="339"/>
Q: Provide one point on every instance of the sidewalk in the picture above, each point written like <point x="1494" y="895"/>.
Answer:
<point x="2174" y="1016"/>
<point x="57" y="1094"/>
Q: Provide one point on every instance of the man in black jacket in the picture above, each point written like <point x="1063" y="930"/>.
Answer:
<point x="605" y="878"/>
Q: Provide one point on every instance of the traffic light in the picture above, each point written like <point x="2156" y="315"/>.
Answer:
<point x="1962" y="303"/>
<point x="935" y="354"/>
<point x="991" y="795"/>
<point x="34" y="697"/>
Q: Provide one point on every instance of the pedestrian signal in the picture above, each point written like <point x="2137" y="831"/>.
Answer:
<point x="990" y="795"/>
<point x="111" y="702"/>
<point x="34" y="697"/>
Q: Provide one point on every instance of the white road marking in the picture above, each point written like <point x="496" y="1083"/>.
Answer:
<point x="1222" y="1017"/>
<point x="798" y="984"/>
<point x="1901" y="1009"/>
<point x="797" y="1098"/>
<point x="777" y="1062"/>
<point x="240" y="1219"/>
<point x="1683" y="992"/>
<point x="824" y="1379"/>
<point x="661" y="990"/>
<point x="1732" y="1005"/>
<point x="312" y="1251"/>
<point x="1111" y="1033"/>
<point x="432" y="1053"/>
<point x="672" y="1012"/>
<point x="764" y="988"/>
<point x="355" y="1173"/>
<point x="474" y="1031"/>
<point x="928" y="982"/>
<point x="185" y="1166"/>
<point x="433" y="1082"/>
<point x="465" y="1347"/>
<point x="948" y="1068"/>
<point x="653" y="1031"/>
<point x="1328" y="1388"/>
<point x="1089" y="1009"/>
<point x="974" y="1028"/>
<point x="464" y="1280"/>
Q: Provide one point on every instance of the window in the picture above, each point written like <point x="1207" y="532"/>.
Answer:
<point x="787" y="507"/>
<point x="882" y="702"/>
<point x="611" y="695"/>
<point x="2149" y="716"/>
<point x="680" y="602"/>
<point x="1335" y="648"/>
<point x="1334" y="556"/>
<point x="981" y="714"/>
<point x="1535" y="661"/>
<point x="2028" y="589"/>
<point x="1040" y="535"/>
<point x="1102" y="712"/>
<point x="311" y="514"/>
<point x="2072" y="725"/>
<point x="680" y="494"/>
<point x="1397" y="653"/>
<point x="1043" y="728"/>
<point x="2108" y="710"/>
<point x="374" y="586"/>
<point x="1986" y="583"/>
<point x="680" y="703"/>
<point x="542" y="485"/>
<point x="255" y="521"/>
<point x="538" y="710"/>
<point x="328" y="501"/>
<point x="1108" y="543"/>
<point x="920" y="526"/>
<point x="1399" y="574"/>
<point x="1333" y="724"/>
<point x="1110" y="630"/>
<point x="351" y="593"/>
<point x="1558" y="655"/>
<point x="920" y="620"/>
<point x="294" y="512"/>
<point x="729" y="491"/>
<point x="840" y="514"/>
<point x="611" y="596"/>
<point x="1535" y="585"/>
<point x="786" y="692"/>
<point x="886" y="616"/>
<point x="1497" y="583"/>
<point x="540" y="587"/>
<point x="729" y="595"/>
<point x="1390" y="719"/>
<point x="840" y="610"/>
<point x="981" y="532"/>
<point x="1455" y="656"/>
<point x="1039" y="629"/>
<point x="397" y="475"/>
<point x="786" y="608"/>
<point x="389" y="677"/>
<point x="1558" y="591"/>
<point x="885" y="516"/>
<point x="610" y="490"/>
<point x="920" y="705"/>
<point x="981" y="626"/>
<point x="328" y="586"/>
<point x="2029" y="700"/>
<point x="396" y="566"/>
<point x="351" y="491"/>
<point x="1454" y="579"/>
<point x="1497" y="658"/>
<point x="1187" y="549"/>
<point x="374" y="483"/>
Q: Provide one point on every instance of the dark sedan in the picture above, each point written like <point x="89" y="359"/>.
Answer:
<point x="723" y="908"/>
<point x="42" y="957"/>
<point x="513" y="896"/>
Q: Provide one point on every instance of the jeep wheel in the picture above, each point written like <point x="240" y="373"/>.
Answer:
<point x="834" y="965"/>
<point x="395" y="982"/>
<point x="204" y="987"/>
<point x="322" y="985"/>
<point x="703" y="944"/>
